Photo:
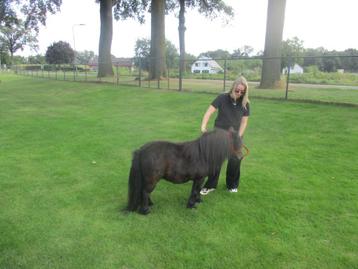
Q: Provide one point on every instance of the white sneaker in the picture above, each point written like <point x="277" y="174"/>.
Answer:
<point x="205" y="191"/>
<point x="232" y="190"/>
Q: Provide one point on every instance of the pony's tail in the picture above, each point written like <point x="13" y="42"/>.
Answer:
<point x="135" y="183"/>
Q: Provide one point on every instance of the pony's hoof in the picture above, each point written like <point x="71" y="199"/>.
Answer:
<point x="191" y="206"/>
<point x="144" y="211"/>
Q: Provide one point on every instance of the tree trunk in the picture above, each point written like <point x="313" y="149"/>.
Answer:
<point x="157" y="42"/>
<point x="271" y="69"/>
<point x="105" y="39"/>
<point x="181" y="42"/>
<point x="11" y="58"/>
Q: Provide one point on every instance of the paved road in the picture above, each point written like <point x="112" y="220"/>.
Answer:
<point x="318" y="86"/>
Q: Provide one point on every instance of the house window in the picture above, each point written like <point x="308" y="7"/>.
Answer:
<point x="206" y="64"/>
<point x="205" y="71"/>
<point x="196" y="64"/>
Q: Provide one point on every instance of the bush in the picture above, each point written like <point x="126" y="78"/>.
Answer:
<point x="317" y="77"/>
<point x="60" y="53"/>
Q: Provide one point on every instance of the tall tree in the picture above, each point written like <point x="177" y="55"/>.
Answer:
<point x="122" y="9"/>
<point x="181" y="30"/>
<point x="16" y="37"/>
<point x="4" y="56"/>
<point x="105" y="39"/>
<point x="33" y="12"/>
<point x="157" y="47"/>
<point x="271" y="69"/>
<point x="210" y="8"/>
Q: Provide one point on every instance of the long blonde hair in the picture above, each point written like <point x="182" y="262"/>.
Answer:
<point x="245" y="98"/>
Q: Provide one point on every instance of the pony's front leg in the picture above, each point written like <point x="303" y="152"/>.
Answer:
<point x="150" y="202"/>
<point x="198" y="188"/>
<point x="195" y="193"/>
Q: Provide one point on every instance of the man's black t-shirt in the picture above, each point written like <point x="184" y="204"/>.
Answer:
<point x="229" y="112"/>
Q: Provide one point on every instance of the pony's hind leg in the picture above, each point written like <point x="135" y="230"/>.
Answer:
<point x="195" y="194"/>
<point x="146" y="201"/>
<point x="144" y="208"/>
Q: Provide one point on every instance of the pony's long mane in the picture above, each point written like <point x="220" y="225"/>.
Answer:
<point x="212" y="148"/>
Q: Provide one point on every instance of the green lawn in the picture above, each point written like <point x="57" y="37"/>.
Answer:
<point x="316" y="93"/>
<point x="65" y="153"/>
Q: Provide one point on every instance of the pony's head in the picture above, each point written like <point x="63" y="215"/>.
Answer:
<point x="235" y="143"/>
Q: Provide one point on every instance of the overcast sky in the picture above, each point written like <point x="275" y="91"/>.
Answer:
<point x="331" y="24"/>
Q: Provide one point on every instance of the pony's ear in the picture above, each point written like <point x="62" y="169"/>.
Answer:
<point x="233" y="132"/>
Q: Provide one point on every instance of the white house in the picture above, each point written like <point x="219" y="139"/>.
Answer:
<point x="296" y="69"/>
<point x="206" y="65"/>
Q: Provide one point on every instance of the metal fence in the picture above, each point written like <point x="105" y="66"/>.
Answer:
<point x="216" y="75"/>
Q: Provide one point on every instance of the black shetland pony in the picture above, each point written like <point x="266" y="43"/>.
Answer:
<point x="178" y="163"/>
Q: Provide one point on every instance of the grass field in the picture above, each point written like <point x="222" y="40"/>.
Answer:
<point x="65" y="152"/>
<point x="320" y="93"/>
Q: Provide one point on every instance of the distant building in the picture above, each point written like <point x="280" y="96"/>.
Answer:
<point x="120" y="62"/>
<point x="341" y="71"/>
<point x="124" y="62"/>
<point x="206" y="65"/>
<point x="296" y="69"/>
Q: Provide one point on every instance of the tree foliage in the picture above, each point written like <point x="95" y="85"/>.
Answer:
<point x="217" y="54"/>
<point x="142" y="51"/>
<point x="294" y="49"/>
<point x="171" y="54"/>
<point x="60" y="53"/>
<point x="36" y="59"/>
<point x="243" y="52"/>
<point x="85" y="57"/>
<point x="330" y="61"/>
<point x="16" y="37"/>
<point x="34" y="11"/>
<point x="131" y="9"/>
<point x="350" y="63"/>
<point x="20" y="21"/>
